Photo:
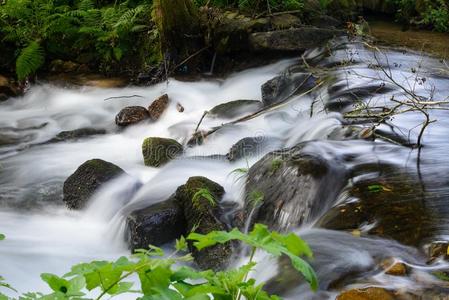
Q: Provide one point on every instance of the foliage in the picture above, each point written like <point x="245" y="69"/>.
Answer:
<point x="71" y="29"/>
<point x="256" y="5"/>
<point x="426" y="12"/>
<point x="203" y="193"/>
<point x="30" y="60"/>
<point x="162" y="278"/>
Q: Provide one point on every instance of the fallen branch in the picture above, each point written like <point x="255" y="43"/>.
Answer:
<point x="124" y="97"/>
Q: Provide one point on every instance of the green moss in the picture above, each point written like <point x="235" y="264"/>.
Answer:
<point x="158" y="151"/>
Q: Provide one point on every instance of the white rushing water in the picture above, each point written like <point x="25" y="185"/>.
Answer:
<point x="43" y="236"/>
<point x="51" y="238"/>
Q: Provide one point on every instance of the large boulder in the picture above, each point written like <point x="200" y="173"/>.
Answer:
<point x="288" y="187"/>
<point x="292" y="40"/>
<point x="284" y="86"/>
<point x="157" y="108"/>
<point x="131" y="115"/>
<point x="76" y="134"/>
<point x="156" y="225"/>
<point x="235" y="108"/>
<point x="158" y="151"/>
<point x="204" y="216"/>
<point x="86" y="180"/>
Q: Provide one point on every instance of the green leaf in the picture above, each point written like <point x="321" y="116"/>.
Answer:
<point x="155" y="280"/>
<point x="118" y="53"/>
<point x="30" y="60"/>
<point x="2" y="237"/>
<point x="181" y="244"/>
<point x="56" y="283"/>
<point x="203" y="193"/>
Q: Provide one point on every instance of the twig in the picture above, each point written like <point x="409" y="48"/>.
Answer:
<point x="119" y="97"/>
<point x="201" y="120"/>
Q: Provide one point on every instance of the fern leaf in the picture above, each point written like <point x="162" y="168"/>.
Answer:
<point x="30" y="60"/>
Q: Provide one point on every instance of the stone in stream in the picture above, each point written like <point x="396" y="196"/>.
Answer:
<point x="393" y="267"/>
<point x="284" y="86"/>
<point x="287" y="187"/>
<point x="250" y="146"/>
<point x="7" y="89"/>
<point x="235" y="108"/>
<point x="157" y="108"/>
<point x="76" y="134"/>
<point x="292" y="40"/>
<point x="131" y="115"/>
<point x="156" y="225"/>
<point x="370" y="293"/>
<point x="184" y="211"/>
<point x="205" y="217"/>
<point x="86" y="180"/>
<point x="158" y="151"/>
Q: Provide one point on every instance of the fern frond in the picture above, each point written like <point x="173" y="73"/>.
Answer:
<point x="30" y="60"/>
<point x="86" y="5"/>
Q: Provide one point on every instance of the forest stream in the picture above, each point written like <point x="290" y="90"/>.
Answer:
<point x="370" y="187"/>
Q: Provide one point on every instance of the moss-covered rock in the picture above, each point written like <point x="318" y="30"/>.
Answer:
<point x="204" y="216"/>
<point x="156" y="225"/>
<point x="87" y="179"/>
<point x="131" y="115"/>
<point x="235" y="108"/>
<point x="158" y="151"/>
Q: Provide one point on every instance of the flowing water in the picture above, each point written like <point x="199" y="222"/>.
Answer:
<point x="43" y="236"/>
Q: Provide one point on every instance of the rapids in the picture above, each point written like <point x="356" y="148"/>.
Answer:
<point x="43" y="236"/>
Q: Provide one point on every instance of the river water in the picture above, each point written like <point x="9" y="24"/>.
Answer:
<point x="43" y="236"/>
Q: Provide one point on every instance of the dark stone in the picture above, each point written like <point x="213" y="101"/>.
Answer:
<point x="288" y="187"/>
<point x="325" y="21"/>
<point x="131" y="115"/>
<point x="205" y="217"/>
<point x="235" y="108"/>
<point x="292" y="40"/>
<point x="156" y="225"/>
<point x="157" y="108"/>
<point x="87" y="179"/>
<point x="284" y="86"/>
<point x="250" y="146"/>
<point x="390" y="202"/>
<point x="159" y="151"/>
<point x="76" y="134"/>
<point x="7" y="89"/>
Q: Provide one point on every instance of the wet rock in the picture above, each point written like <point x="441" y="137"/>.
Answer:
<point x="250" y="146"/>
<point x="371" y="293"/>
<point x="86" y="180"/>
<point x="179" y="107"/>
<point x="76" y="134"/>
<point x="438" y="249"/>
<point x="292" y="40"/>
<point x="325" y="21"/>
<point x="389" y="206"/>
<point x="7" y="89"/>
<point x="157" y="108"/>
<point x="285" y="21"/>
<point x="205" y="217"/>
<point x="131" y="115"/>
<point x="235" y="108"/>
<point x="158" y="151"/>
<point x="394" y="268"/>
<point x="60" y="66"/>
<point x="287" y="187"/>
<point x="156" y="225"/>
<point x="284" y="86"/>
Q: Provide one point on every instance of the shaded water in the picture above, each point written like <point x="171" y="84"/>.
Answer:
<point x="42" y="236"/>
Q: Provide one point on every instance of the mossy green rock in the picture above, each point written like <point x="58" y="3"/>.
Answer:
<point x="158" y="151"/>
<point x="204" y="217"/>
<point x="86" y="180"/>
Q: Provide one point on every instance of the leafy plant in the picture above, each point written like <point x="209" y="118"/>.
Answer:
<point x="276" y="163"/>
<point x="162" y="278"/>
<point x="255" y="5"/>
<point x="256" y="197"/>
<point x="30" y="60"/>
<point x="203" y="193"/>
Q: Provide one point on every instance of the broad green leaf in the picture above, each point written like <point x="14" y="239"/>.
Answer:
<point x="56" y="283"/>
<point x="181" y="244"/>
<point x="154" y="280"/>
<point x="2" y="237"/>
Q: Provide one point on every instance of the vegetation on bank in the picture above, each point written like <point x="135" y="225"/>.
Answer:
<point x="164" y="277"/>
